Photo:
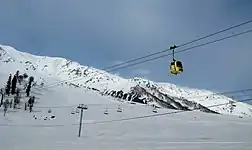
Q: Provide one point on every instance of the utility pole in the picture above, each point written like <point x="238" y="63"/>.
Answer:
<point x="81" y="106"/>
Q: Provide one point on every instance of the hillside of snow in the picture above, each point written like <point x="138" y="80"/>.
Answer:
<point x="54" y="120"/>
<point x="133" y="128"/>
<point x="53" y="72"/>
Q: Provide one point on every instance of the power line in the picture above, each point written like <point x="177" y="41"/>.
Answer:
<point x="51" y="85"/>
<point x="170" y="53"/>
<point x="235" y="26"/>
<point x="75" y="105"/>
<point x="155" y="58"/>
<point x="183" y="50"/>
<point x="160" y="114"/>
<point x="181" y="45"/>
<point x="207" y="95"/>
<point x="222" y="93"/>
<point x="122" y="119"/>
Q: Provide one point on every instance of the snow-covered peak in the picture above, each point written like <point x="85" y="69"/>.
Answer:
<point x="51" y="70"/>
<point x="2" y="52"/>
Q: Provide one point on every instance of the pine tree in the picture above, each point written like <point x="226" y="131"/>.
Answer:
<point x="20" y="79"/>
<point x="28" y="90"/>
<point x="17" y="73"/>
<point x="8" y="86"/>
<point x="31" y="79"/>
<point x="14" y="85"/>
<point x="25" y="75"/>
<point x="2" y="97"/>
<point x="18" y="92"/>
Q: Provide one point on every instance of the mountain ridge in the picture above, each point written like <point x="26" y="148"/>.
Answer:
<point x="165" y="95"/>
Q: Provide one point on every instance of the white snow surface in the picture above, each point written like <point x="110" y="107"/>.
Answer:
<point x="182" y="131"/>
<point x="118" y="130"/>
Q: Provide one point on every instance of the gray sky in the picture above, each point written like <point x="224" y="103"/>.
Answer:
<point x="101" y="33"/>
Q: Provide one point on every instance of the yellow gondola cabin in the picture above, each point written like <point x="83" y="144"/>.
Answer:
<point x="176" y="67"/>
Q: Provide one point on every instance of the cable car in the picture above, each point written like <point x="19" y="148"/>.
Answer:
<point x="73" y="112"/>
<point x="119" y="109"/>
<point x="154" y="110"/>
<point x="85" y="107"/>
<point x="106" y="111"/>
<point x="176" y="67"/>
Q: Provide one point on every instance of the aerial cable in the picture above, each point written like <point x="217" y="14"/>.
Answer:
<point x="113" y="104"/>
<point x="169" y="49"/>
<point x="179" y="51"/>
<point x="223" y="93"/>
<point x="155" y="58"/>
<point x="181" y="45"/>
<point x="160" y="114"/>
<point x="122" y="119"/>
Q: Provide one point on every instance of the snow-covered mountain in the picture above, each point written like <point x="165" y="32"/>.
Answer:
<point x="136" y="127"/>
<point x="50" y="72"/>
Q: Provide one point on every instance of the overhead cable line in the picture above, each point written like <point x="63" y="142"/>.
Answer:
<point x="152" y="59"/>
<point x="238" y="25"/>
<point x="223" y="93"/>
<point x="181" y="45"/>
<point x="179" y="51"/>
<point x="75" y="105"/>
<point x="119" y="120"/>
<point x="207" y="95"/>
<point x="159" y="114"/>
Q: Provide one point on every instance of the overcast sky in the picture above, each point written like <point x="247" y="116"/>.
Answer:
<point x="102" y="33"/>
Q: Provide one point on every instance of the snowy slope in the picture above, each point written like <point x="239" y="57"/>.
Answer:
<point x="184" y="131"/>
<point x="55" y="69"/>
<point x="135" y="128"/>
